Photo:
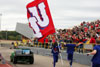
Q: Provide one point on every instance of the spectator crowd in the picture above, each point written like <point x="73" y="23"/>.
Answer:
<point x="86" y="32"/>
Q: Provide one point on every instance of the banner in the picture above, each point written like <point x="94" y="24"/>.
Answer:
<point x="40" y="19"/>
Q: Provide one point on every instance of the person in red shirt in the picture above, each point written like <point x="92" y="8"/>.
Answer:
<point x="92" y="40"/>
<point x="46" y="42"/>
<point x="85" y="29"/>
<point x="98" y="29"/>
<point x="81" y="24"/>
<point x="75" y="40"/>
<point x="91" y="26"/>
<point x="96" y="25"/>
<point x="53" y="40"/>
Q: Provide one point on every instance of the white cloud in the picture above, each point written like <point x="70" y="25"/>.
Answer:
<point x="65" y="13"/>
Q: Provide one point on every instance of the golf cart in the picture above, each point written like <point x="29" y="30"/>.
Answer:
<point x="22" y="55"/>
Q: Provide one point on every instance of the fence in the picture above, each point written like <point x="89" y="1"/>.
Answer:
<point x="82" y="48"/>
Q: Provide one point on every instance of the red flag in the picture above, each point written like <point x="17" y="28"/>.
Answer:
<point x="40" y="19"/>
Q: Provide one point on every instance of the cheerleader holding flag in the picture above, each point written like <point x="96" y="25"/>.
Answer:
<point x="55" y="52"/>
<point x="40" y="20"/>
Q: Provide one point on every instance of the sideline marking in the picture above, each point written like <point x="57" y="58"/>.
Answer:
<point x="8" y="65"/>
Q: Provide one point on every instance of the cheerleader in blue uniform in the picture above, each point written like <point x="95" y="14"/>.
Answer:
<point x="70" y="51"/>
<point x="55" y="52"/>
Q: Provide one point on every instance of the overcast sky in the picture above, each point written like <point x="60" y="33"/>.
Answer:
<point x="65" y="13"/>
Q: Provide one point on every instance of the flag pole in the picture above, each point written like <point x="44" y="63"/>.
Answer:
<point x="61" y="56"/>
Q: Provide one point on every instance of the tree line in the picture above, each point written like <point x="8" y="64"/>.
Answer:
<point x="9" y="35"/>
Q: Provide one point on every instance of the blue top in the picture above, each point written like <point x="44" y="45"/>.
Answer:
<point x="55" y="50"/>
<point x="96" y="57"/>
<point x="70" y="48"/>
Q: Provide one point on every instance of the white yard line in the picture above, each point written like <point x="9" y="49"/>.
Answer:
<point x="8" y="65"/>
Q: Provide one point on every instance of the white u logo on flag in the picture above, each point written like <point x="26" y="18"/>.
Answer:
<point x="35" y="21"/>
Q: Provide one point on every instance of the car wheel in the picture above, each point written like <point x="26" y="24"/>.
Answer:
<point x="31" y="60"/>
<point x="15" y="60"/>
<point x="11" y="60"/>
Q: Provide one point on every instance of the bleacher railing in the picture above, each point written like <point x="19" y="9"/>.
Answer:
<point x="83" y="48"/>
